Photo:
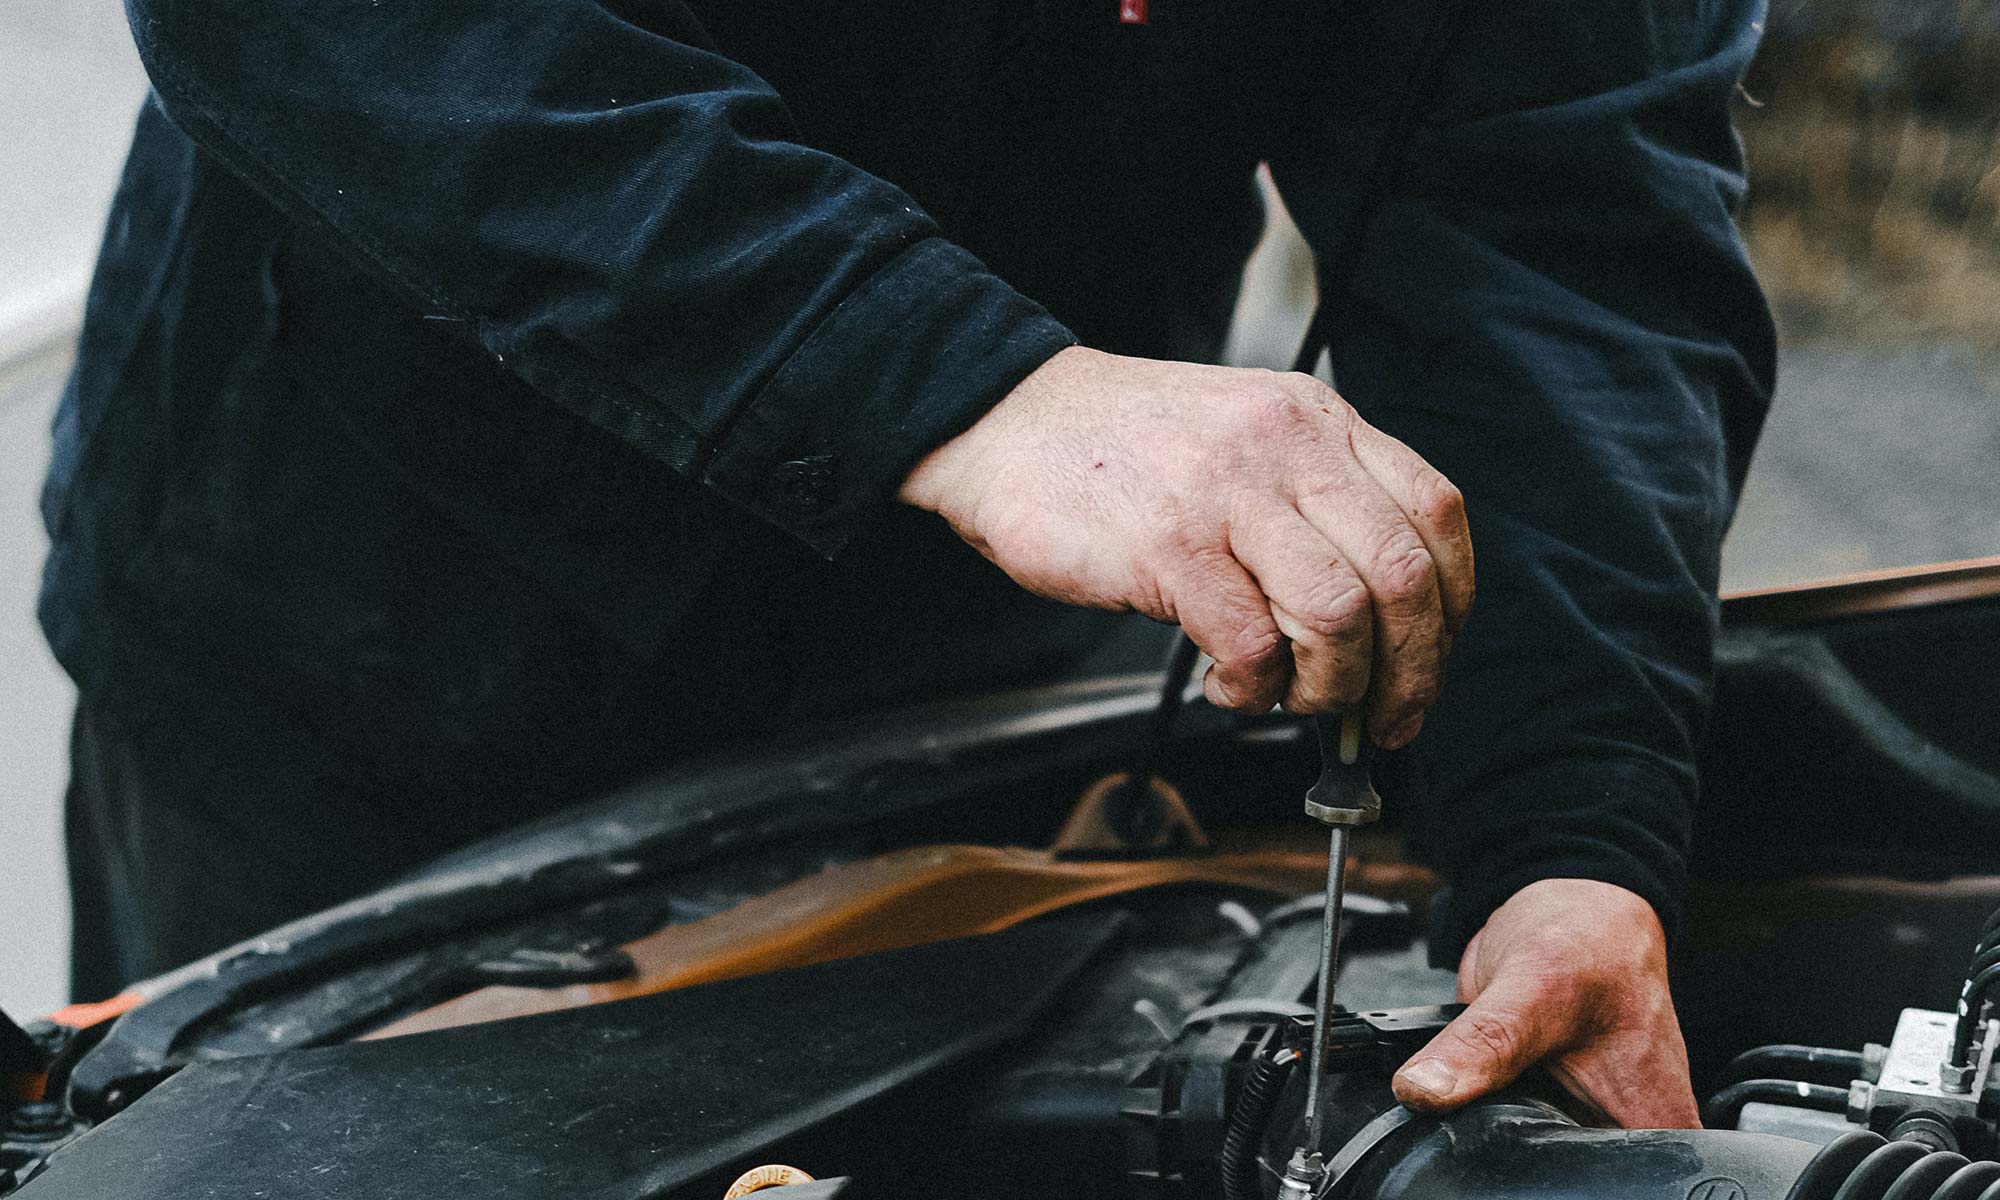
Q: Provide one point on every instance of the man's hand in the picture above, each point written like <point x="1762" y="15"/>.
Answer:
<point x="1570" y="973"/>
<point x="1319" y="561"/>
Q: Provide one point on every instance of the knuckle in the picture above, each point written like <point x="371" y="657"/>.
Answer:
<point x="1278" y="414"/>
<point x="1490" y="1036"/>
<point x="1305" y="699"/>
<point x="1295" y="406"/>
<point x="1308" y="387"/>
<point x="1403" y="569"/>
<point x="1244" y="700"/>
<point x="1335" y="609"/>
<point x="1248" y="647"/>
<point x="1438" y="500"/>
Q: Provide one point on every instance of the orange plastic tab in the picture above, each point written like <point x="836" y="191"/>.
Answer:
<point x="83" y="1016"/>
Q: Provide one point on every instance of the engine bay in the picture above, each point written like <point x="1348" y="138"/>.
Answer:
<point x="842" y="963"/>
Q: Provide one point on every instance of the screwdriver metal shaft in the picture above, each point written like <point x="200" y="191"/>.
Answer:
<point x="1344" y="797"/>
<point x="1329" y="969"/>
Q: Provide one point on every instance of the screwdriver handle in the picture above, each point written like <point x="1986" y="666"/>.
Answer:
<point x="1345" y="793"/>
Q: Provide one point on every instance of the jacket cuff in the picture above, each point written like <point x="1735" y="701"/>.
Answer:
<point x="907" y="362"/>
<point x="1624" y="823"/>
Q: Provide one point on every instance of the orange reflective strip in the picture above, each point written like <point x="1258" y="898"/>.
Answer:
<point x="83" y="1016"/>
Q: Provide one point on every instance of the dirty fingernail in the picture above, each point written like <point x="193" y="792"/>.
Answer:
<point x="1429" y="1076"/>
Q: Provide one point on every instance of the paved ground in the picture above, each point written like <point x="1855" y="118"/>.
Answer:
<point x="1872" y="459"/>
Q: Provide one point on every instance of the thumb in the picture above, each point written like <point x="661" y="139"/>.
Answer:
<point x="1513" y="1024"/>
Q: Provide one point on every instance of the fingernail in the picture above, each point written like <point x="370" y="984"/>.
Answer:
<point x="1429" y="1076"/>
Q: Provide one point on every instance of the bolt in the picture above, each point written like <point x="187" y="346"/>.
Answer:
<point x="1956" y="1079"/>
<point x="1874" y="1056"/>
<point x="1303" y="1175"/>
<point x="1860" y="1101"/>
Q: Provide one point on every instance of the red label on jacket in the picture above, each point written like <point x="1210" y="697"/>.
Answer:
<point x="1132" y="12"/>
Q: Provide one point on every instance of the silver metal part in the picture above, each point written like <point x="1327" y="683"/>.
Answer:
<point x="1329" y="970"/>
<point x="1860" y="1098"/>
<point x="1873" y="1055"/>
<point x="1303" y="1176"/>
<point x="1339" y="816"/>
<point x="1358" y="1147"/>
<point x="1916" y="1074"/>
<point x="1344" y="797"/>
<point x="1789" y="1120"/>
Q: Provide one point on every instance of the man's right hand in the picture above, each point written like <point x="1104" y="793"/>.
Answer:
<point x="1318" y="560"/>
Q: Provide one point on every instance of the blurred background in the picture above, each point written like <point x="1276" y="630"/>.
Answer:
<point x="69" y="87"/>
<point x="1873" y="133"/>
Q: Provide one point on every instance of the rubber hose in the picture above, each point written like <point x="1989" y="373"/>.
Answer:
<point x="1723" y="1108"/>
<point x="1247" y="1123"/>
<point x="1813" y="1064"/>
<point x="1969" y="1004"/>
<point x="1863" y="1166"/>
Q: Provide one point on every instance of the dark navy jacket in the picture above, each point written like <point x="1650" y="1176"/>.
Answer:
<point x="481" y="402"/>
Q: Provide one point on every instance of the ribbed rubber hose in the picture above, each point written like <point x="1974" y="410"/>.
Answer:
<point x="1863" y="1166"/>
<point x="1248" y="1122"/>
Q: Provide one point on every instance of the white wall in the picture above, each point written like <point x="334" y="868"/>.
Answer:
<point x="69" y="86"/>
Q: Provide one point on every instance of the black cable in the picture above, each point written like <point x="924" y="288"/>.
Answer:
<point x="1812" y="1064"/>
<point x="1990" y="930"/>
<point x="1248" y="1121"/>
<point x="1160" y="730"/>
<point x="1726" y="1105"/>
<point x="1970" y="1001"/>
<point x="1979" y="979"/>
<point x="1972" y="993"/>
<point x="1969" y="1014"/>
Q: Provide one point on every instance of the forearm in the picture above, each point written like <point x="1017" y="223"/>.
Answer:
<point x="623" y="218"/>
<point x="1556" y="310"/>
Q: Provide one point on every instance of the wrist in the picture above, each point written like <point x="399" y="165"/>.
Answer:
<point x="1614" y="821"/>
<point x="954" y="469"/>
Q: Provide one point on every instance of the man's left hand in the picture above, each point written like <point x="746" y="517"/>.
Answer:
<point x="1571" y="974"/>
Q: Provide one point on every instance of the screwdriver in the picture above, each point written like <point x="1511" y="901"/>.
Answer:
<point x="1343" y="797"/>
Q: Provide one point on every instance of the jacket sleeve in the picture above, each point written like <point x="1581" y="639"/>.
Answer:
<point x="1554" y="307"/>
<point x="625" y="219"/>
